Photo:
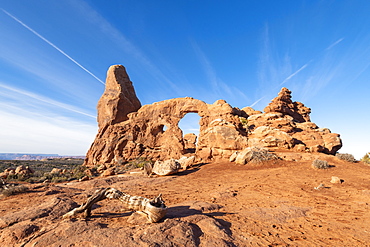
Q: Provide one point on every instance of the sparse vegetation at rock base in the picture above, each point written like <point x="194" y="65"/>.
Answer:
<point x="346" y="157"/>
<point x="320" y="164"/>
<point x="366" y="158"/>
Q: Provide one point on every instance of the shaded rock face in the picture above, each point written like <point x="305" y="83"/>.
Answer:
<point x="128" y="131"/>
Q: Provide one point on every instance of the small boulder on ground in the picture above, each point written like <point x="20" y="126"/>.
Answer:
<point x="186" y="162"/>
<point x="108" y="172"/>
<point x="56" y="171"/>
<point x="335" y="180"/>
<point x="166" y="167"/>
<point x="254" y="155"/>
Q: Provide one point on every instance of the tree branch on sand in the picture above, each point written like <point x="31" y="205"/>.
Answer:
<point x="154" y="209"/>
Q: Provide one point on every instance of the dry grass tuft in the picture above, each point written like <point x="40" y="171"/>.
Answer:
<point x="12" y="190"/>
<point x="320" y="164"/>
<point x="346" y="157"/>
<point x="366" y="158"/>
<point x="259" y="155"/>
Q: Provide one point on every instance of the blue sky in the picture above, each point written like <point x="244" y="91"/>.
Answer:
<point x="54" y="56"/>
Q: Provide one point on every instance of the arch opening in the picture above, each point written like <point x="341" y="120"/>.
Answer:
<point x="190" y="128"/>
<point x="160" y="129"/>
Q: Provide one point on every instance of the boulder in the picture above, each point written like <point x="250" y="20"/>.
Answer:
<point x="108" y="172"/>
<point x="335" y="180"/>
<point x="254" y="155"/>
<point x="56" y="171"/>
<point x="166" y="167"/>
<point x="84" y="178"/>
<point x="250" y="111"/>
<point x="186" y="162"/>
<point x="190" y="141"/>
<point x="23" y="170"/>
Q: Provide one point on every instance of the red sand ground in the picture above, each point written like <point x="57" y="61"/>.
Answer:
<point x="270" y="204"/>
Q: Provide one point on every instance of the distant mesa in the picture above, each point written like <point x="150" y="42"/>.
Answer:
<point x="23" y="156"/>
<point x="128" y="130"/>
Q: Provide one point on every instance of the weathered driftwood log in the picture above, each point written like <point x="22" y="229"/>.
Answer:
<point x="3" y="184"/>
<point x="154" y="209"/>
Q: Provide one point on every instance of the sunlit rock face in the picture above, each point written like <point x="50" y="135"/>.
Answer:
<point x="128" y="130"/>
<point x="287" y="125"/>
<point x="283" y="104"/>
<point x="118" y="99"/>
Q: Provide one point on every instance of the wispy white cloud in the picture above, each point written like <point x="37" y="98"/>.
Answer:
<point x="334" y="44"/>
<point x="208" y="69"/>
<point x="219" y="87"/>
<point x="125" y="44"/>
<point x="52" y="45"/>
<point x="272" y="69"/>
<point x="18" y="94"/>
<point x="24" y="132"/>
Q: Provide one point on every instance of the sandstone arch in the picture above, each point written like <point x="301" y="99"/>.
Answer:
<point x="127" y="131"/>
<point x="142" y="134"/>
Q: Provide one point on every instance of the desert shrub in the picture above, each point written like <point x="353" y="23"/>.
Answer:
<point x="4" y="164"/>
<point x="78" y="172"/>
<point x="12" y="190"/>
<point x="244" y="122"/>
<point x="346" y="157"/>
<point x="137" y="163"/>
<point x="320" y="164"/>
<point x="18" y="177"/>
<point x="74" y="168"/>
<point x="366" y="158"/>
<point x="258" y="155"/>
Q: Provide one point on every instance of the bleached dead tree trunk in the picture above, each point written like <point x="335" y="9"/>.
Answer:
<point x="3" y="184"/>
<point x="154" y="209"/>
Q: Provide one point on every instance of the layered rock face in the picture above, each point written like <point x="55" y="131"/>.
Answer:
<point x="286" y="125"/>
<point x="128" y="131"/>
<point x="283" y="104"/>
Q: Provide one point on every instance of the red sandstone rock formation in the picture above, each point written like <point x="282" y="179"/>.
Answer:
<point x="283" y="103"/>
<point x="190" y="141"/>
<point x="128" y="131"/>
<point x="119" y="98"/>
<point x="286" y="124"/>
<point x="143" y="133"/>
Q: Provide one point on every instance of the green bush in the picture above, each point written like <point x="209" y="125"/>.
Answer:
<point x="320" y="164"/>
<point x="346" y="157"/>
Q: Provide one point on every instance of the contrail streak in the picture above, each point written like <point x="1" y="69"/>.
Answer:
<point x="289" y="77"/>
<point x="334" y="44"/>
<point x="45" y="100"/>
<point x="257" y="101"/>
<point x="51" y="44"/>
